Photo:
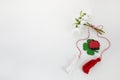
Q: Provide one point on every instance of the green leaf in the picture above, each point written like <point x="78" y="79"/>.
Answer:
<point x="84" y="14"/>
<point x="80" y="17"/>
<point x="76" y="26"/>
<point x="77" y="20"/>
<point x="85" y="46"/>
<point x="81" y="13"/>
<point x="90" y="52"/>
<point x="89" y="40"/>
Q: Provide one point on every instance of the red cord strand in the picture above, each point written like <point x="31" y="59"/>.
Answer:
<point x="82" y="40"/>
<point x="109" y="44"/>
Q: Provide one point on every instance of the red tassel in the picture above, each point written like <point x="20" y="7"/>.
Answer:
<point x="86" y="67"/>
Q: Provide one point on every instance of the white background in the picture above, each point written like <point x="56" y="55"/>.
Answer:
<point x="36" y="38"/>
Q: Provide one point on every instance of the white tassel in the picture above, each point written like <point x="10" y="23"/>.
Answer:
<point x="72" y="65"/>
